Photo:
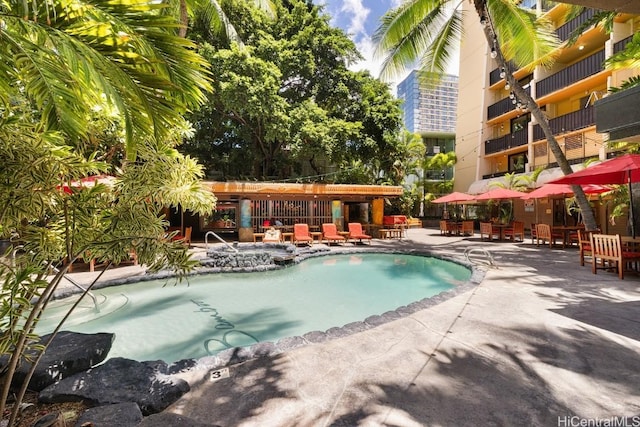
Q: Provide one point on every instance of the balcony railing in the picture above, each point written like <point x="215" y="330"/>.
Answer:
<point x="503" y="106"/>
<point x="569" y="122"/>
<point x="565" y="31"/>
<point x="494" y="75"/>
<point x="515" y="139"/>
<point x="574" y="73"/>
<point x="617" y="47"/>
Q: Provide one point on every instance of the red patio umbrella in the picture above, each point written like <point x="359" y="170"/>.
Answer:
<point x="500" y="194"/>
<point x="624" y="169"/>
<point x="89" y="181"/>
<point x="548" y="190"/>
<point x="454" y="197"/>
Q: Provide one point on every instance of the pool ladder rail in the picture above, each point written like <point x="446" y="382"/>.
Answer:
<point x="479" y="256"/>
<point x="206" y="241"/>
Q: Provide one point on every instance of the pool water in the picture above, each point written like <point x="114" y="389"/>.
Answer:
<point x="218" y="311"/>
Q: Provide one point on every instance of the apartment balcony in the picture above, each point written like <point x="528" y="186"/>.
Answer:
<point x="494" y="75"/>
<point x="564" y="32"/>
<point x="502" y="107"/>
<point x="574" y="73"/>
<point x="515" y="139"/>
<point x="577" y="120"/>
<point x="619" y="114"/>
<point x="617" y="47"/>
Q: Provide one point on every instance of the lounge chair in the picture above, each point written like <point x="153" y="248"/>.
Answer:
<point x="301" y="234"/>
<point x="330" y="233"/>
<point x="272" y="236"/>
<point x="355" y="232"/>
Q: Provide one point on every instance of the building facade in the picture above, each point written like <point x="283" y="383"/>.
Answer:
<point x="429" y="106"/>
<point x="496" y="136"/>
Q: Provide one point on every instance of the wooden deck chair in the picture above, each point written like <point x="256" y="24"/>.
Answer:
<point x="544" y="233"/>
<point x="301" y="234"/>
<point x="356" y="233"/>
<point x="187" y="236"/>
<point x="330" y="233"/>
<point x="467" y="228"/>
<point x="584" y="244"/>
<point x="272" y="236"/>
<point x="607" y="253"/>
<point x="516" y="229"/>
<point x="486" y="229"/>
<point x="534" y="232"/>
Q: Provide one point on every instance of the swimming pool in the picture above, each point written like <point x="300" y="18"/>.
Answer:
<point x="215" y="312"/>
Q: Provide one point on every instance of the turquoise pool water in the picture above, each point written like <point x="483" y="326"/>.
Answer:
<point x="219" y="311"/>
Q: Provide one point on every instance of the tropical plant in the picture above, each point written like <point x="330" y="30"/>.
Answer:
<point x="426" y="30"/>
<point x="89" y="88"/>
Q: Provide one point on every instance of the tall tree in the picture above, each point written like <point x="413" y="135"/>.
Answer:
<point x="286" y="99"/>
<point x="427" y="30"/>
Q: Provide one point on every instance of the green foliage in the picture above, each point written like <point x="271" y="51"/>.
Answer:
<point x="87" y="89"/>
<point x="285" y="104"/>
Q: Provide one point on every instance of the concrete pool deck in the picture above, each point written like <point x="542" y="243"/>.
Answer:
<point x="540" y="341"/>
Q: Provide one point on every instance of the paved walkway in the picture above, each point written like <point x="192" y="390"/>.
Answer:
<point x="540" y="342"/>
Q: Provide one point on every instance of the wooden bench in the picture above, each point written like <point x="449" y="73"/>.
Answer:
<point x="414" y="222"/>
<point x="607" y="253"/>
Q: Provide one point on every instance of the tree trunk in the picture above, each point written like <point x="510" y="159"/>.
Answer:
<point x="530" y="104"/>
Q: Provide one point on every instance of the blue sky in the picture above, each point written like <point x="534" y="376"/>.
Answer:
<point x="359" y="19"/>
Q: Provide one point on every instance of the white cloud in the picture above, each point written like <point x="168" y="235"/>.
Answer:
<point x="359" y="16"/>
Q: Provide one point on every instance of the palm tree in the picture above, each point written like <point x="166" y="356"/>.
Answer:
<point x="68" y="61"/>
<point x="428" y="29"/>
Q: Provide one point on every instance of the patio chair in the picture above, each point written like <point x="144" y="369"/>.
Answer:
<point x="607" y="253"/>
<point x="301" y="234"/>
<point x="187" y="236"/>
<point x="355" y="232"/>
<point x="467" y="228"/>
<point x="516" y="229"/>
<point x="272" y="236"/>
<point x="486" y="229"/>
<point x="443" y="227"/>
<point x="534" y="232"/>
<point x="584" y="244"/>
<point x="544" y="233"/>
<point x="330" y="233"/>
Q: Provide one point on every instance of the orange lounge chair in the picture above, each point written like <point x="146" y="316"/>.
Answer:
<point x="301" y="234"/>
<point x="355" y="232"/>
<point x="330" y="233"/>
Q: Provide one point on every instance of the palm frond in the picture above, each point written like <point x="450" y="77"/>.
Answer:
<point x="629" y="57"/>
<point x="438" y="56"/>
<point x="406" y="33"/>
<point x="522" y="37"/>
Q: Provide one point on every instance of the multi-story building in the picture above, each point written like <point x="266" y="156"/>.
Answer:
<point x="429" y="109"/>
<point x="495" y="136"/>
<point x="429" y="105"/>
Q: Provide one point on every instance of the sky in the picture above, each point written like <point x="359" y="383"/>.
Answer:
<point x="359" y="19"/>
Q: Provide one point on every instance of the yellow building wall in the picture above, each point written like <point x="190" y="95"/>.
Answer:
<point x="470" y="115"/>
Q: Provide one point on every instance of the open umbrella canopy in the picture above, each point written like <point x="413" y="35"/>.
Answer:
<point x="499" y="194"/>
<point x="548" y="190"/>
<point x="89" y="181"/>
<point x="624" y="169"/>
<point x="454" y="197"/>
<point x="619" y="170"/>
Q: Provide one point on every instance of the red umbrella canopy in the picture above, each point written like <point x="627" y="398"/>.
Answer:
<point x="454" y="197"/>
<point x="548" y="190"/>
<point x="500" y="193"/>
<point x="619" y="170"/>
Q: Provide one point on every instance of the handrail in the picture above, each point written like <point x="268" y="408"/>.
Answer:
<point x="487" y="260"/>
<point x="206" y="241"/>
